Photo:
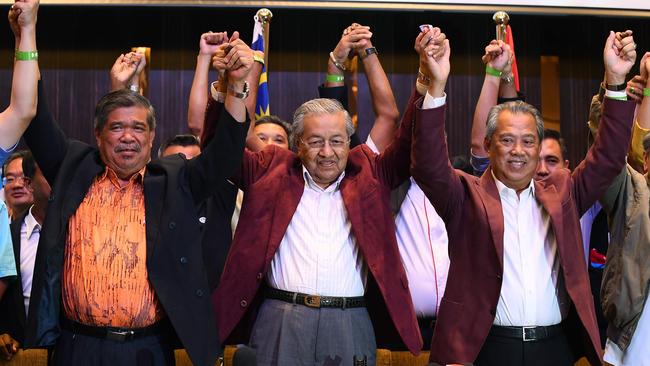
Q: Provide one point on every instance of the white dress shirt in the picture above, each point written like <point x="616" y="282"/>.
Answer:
<point x="30" y="232"/>
<point x="423" y="246"/>
<point x="532" y="292"/>
<point x="318" y="254"/>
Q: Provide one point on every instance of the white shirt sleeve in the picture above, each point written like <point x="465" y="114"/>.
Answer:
<point x="430" y="102"/>
<point x="371" y="145"/>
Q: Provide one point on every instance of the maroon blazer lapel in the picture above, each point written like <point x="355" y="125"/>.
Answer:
<point x="492" y="203"/>
<point x="551" y="201"/>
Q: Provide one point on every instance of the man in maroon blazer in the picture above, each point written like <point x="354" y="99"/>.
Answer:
<point x="314" y="258"/>
<point x="518" y="290"/>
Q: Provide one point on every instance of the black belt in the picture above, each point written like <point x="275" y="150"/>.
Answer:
<point x="112" y="333"/>
<point x="316" y="301"/>
<point x="427" y="322"/>
<point x="527" y="334"/>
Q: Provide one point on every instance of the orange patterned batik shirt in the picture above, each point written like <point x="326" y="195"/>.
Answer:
<point x="105" y="281"/>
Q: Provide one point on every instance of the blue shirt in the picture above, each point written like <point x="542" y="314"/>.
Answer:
<point x="7" y="260"/>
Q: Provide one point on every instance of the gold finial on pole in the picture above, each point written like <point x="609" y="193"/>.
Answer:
<point x="501" y="20"/>
<point x="264" y="16"/>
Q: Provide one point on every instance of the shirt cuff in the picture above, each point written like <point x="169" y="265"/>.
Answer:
<point x="217" y="95"/>
<point x="620" y="95"/>
<point x="371" y="145"/>
<point x="430" y="102"/>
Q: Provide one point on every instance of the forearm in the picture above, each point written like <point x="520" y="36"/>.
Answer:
<point x="507" y="90"/>
<point x="22" y="107"/>
<point x="198" y="95"/>
<point x="643" y="112"/>
<point x="333" y="70"/>
<point x="253" y="80"/>
<point x="487" y="99"/>
<point x="383" y="102"/>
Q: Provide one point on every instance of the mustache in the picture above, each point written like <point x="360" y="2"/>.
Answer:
<point x="127" y="147"/>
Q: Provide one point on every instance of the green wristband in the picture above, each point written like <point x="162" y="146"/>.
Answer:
<point x="334" y="78"/>
<point x="492" y="71"/>
<point x="646" y="92"/>
<point x="26" y="55"/>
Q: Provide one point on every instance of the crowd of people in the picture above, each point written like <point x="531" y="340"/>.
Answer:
<point x="312" y="247"/>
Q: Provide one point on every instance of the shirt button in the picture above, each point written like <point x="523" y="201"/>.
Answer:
<point x="183" y="260"/>
<point x="260" y="276"/>
<point x="243" y="303"/>
<point x="199" y="293"/>
<point x="172" y="225"/>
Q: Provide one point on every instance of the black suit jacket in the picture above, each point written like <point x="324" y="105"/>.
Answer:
<point x="173" y="187"/>
<point x="12" y="307"/>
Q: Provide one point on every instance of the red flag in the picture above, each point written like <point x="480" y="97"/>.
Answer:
<point x="511" y="42"/>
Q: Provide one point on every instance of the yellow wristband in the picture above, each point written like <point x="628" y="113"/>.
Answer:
<point x="258" y="56"/>
<point x="26" y="55"/>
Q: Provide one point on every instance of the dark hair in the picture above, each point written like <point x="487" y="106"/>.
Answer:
<point x="461" y="162"/>
<point x="28" y="166"/>
<point x="555" y="135"/>
<point x="122" y="98"/>
<point x="179" y="140"/>
<point x="276" y="121"/>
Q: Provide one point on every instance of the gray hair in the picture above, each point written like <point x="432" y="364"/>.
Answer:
<point x="318" y="106"/>
<point x="122" y="98"/>
<point x="516" y="107"/>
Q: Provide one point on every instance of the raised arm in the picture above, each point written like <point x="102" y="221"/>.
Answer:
<point x="496" y="59"/>
<point x="208" y="46"/>
<point x="606" y="157"/>
<point x="430" y="164"/>
<point x="642" y="125"/>
<point x="383" y="100"/>
<point x="22" y="106"/>
<point x="125" y="72"/>
<point x="223" y="155"/>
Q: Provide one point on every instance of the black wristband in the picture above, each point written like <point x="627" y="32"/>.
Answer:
<point x="619" y="87"/>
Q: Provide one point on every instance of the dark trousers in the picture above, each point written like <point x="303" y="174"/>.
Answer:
<point x="80" y="350"/>
<point x="499" y="351"/>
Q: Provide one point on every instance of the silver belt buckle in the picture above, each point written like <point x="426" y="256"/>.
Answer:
<point x="523" y="331"/>
<point x="119" y="335"/>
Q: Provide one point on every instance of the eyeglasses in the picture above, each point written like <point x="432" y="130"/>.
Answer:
<point x="318" y="143"/>
<point x="14" y="180"/>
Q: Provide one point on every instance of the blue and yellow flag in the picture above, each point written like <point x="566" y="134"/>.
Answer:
<point x="262" y="103"/>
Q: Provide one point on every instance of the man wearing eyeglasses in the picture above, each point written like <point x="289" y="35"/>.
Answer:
<point x="18" y="196"/>
<point x="315" y="255"/>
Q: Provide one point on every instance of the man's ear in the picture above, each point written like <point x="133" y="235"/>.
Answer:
<point x="486" y="144"/>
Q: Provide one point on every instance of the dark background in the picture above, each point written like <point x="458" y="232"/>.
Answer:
<point x="78" y="45"/>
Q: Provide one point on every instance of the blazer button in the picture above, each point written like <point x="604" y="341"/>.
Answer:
<point x="243" y="303"/>
<point x="260" y="276"/>
<point x="172" y="225"/>
<point x="199" y="293"/>
<point x="499" y="277"/>
<point x="493" y="312"/>
<point x="50" y="198"/>
<point x="202" y="219"/>
<point x="183" y="260"/>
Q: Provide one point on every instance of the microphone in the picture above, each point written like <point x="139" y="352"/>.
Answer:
<point x="244" y="356"/>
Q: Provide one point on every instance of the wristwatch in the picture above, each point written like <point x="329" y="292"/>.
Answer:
<point x="369" y="51"/>
<point x="508" y="78"/>
<point x="618" y="87"/>
<point x="242" y="94"/>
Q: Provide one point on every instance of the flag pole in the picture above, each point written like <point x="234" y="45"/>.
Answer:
<point x="265" y="15"/>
